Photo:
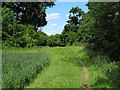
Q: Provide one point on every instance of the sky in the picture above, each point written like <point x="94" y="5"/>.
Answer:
<point x="58" y="15"/>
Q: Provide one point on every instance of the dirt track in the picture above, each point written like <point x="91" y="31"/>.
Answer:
<point x="85" y="76"/>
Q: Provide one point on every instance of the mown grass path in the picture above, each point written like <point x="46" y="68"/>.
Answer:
<point x="85" y="73"/>
<point x="63" y="71"/>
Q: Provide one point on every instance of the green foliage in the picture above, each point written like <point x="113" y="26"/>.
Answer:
<point x="19" y="68"/>
<point x="69" y="38"/>
<point x="70" y="27"/>
<point x="41" y="38"/>
<point x="15" y="34"/>
<point x="70" y="32"/>
<point x="8" y="22"/>
<point x="102" y="70"/>
<point x="99" y="26"/>
<point x="85" y="31"/>
<point x="106" y="28"/>
<point x="74" y="20"/>
<point x="55" y="40"/>
<point x="75" y="16"/>
<point x="19" y="35"/>
<point x="32" y="13"/>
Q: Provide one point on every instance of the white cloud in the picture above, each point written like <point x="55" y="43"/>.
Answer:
<point x="67" y="15"/>
<point x="53" y="16"/>
<point x="53" y="25"/>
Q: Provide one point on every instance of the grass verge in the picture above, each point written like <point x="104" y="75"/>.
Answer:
<point x="104" y="73"/>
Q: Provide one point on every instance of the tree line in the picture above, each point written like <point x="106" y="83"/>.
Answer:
<point x="98" y="28"/>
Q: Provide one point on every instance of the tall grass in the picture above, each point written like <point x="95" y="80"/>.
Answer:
<point x="104" y="72"/>
<point x="20" y="68"/>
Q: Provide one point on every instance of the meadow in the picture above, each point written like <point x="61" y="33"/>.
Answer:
<point x="67" y="67"/>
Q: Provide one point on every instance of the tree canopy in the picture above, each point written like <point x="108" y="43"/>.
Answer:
<point x="32" y="13"/>
<point x="19" y="21"/>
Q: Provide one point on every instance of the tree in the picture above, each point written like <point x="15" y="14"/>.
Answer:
<point x="41" y="38"/>
<point x="74" y="20"/>
<point x="14" y="34"/>
<point x="8" y="21"/>
<point x="69" y="38"/>
<point x="55" y="40"/>
<point x="19" y="21"/>
<point x="106" y="26"/>
<point x="70" y="31"/>
<point x="32" y="13"/>
<point x="75" y="16"/>
<point x="86" y="30"/>
<point x="70" y="27"/>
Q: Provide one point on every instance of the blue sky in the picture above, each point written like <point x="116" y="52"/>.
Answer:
<point x="57" y="16"/>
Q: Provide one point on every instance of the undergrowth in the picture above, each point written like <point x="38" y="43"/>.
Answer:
<point x="104" y="72"/>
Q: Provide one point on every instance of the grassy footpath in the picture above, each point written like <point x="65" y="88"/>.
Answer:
<point x="63" y="72"/>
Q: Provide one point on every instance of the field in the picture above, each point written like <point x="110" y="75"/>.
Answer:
<point x="19" y="68"/>
<point x="67" y="67"/>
